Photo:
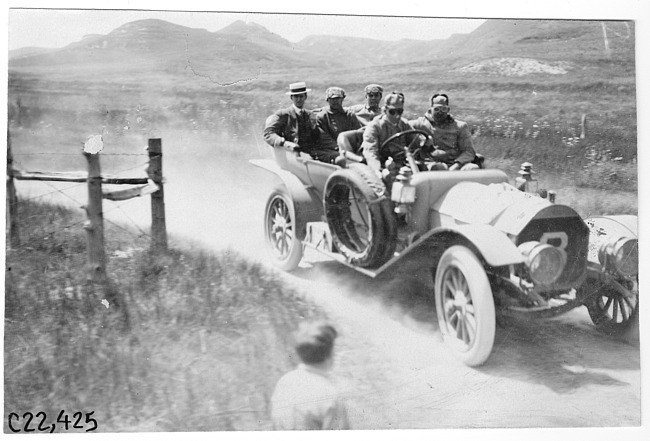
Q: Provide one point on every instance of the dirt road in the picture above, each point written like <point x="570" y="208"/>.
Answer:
<point x="390" y="357"/>
<point x="544" y="373"/>
<point x="398" y="373"/>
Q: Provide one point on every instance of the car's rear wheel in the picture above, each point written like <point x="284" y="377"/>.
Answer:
<point x="281" y="231"/>
<point x="359" y="216"/>
<point x="465" y="306"/>
<point x="613" y="307"/>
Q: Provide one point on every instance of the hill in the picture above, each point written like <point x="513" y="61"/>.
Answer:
<point x="147" y="46"/>
<point x="244" y="51"/>
<point x="554" y="40"/>
<point x="362" y="52"/>
<point x="28" y="52"/>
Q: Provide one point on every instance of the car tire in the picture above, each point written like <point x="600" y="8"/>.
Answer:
<point x="360" y="216"/>
<point x="465" y="306"/>
<point x="612" y="312"/>
<point x="281" y="232"/>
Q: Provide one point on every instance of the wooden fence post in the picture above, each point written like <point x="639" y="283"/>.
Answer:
<point x="154" y="171"/>
<point x="94" y="226"/>
<point x="12" y="200"/>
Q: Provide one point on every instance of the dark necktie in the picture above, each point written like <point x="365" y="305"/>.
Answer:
<point x="304" y="128"/>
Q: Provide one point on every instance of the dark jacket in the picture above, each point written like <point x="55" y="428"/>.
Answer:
<point x="452" y="138"/>
<point x="283" y="125"/>
<point x="331" y="124"/>
<point x="376" y="133"/>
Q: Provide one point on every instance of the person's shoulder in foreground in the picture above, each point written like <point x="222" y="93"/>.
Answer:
<point x="306" y="398"/>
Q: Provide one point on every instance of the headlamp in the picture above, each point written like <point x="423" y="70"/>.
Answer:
<point x="620" y="255"/>
<point x="544" y="261"/>
<point x="403" y="193"/>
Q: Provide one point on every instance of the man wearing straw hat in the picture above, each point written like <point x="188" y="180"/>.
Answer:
<point x="294" y="128"/>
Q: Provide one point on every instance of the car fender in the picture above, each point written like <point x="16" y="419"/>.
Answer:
<point x="623" y="224"/>
<point x="307" y="204"/>
<point x="496" y="248"/>
<point x="603" y="228"/>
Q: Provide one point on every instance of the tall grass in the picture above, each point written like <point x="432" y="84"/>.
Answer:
<point x="512" y="118"/>
<point x="189" y="341"/>
<point x="604" y="157"/>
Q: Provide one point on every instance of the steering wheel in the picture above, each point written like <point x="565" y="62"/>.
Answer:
<point x="413" y="143"/>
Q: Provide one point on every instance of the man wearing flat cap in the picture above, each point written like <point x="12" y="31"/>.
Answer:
<point x="451" y="140"/>
<point x="293" y="128"/>
<point x="332" y="120"/>
<point x="351" y="140"/>
<point x="306" y="398"/>
<point x="379" y="130"/>
<point x="368" y="111"/>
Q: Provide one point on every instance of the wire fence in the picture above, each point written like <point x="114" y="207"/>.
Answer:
<point x="92" y="179"/>
<point x="68" y="194"/>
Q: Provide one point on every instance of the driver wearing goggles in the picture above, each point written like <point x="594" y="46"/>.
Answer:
<point x="450" y="144"/>
<point x="379" y="130"/>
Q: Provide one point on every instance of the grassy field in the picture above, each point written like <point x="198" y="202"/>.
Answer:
<point x="185" y="337"/>
<point x="189" y="341"/>
<point x="513" y="120"/>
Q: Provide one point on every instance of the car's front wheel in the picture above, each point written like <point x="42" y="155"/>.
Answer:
<point x="465" y="306"/>
<point x="614" y="306"/>
<point x="281" y="231"/>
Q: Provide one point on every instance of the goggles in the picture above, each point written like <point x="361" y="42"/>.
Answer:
<point x="443" y="95"/>
<point x="395" y="111"/>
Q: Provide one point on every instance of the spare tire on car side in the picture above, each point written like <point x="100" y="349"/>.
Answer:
<point x="360" y="216"/>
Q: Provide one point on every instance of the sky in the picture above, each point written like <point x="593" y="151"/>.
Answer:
<point x="57" y="28"/>
<point x="49" y="27"/>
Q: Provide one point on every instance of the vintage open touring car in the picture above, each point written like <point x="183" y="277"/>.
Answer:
<point x="491" y="246"/>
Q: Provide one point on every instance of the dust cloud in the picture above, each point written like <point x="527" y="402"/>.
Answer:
<point x="211" y="198"/>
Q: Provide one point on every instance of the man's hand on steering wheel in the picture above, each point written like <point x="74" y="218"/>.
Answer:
<point x="416" y="142"/>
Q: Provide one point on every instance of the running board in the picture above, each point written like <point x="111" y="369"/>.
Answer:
<point x="319" y="238"/>
<point x="341" y="259"/>
<point x="551" y="309"/>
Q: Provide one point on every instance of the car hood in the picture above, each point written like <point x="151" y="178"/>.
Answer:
<point x="500" y="205"/>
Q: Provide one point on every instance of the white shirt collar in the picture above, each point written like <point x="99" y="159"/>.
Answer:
<point x="313" y="369"/>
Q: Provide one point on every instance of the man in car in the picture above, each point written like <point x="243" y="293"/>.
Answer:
<point x="379" y="130"/>
<point x="351" y="141"/>
<point x="295" y="128"/>
<point x="368" y="111"/>
<point x="451" y="140"/>
<point x="334" y="119"/>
